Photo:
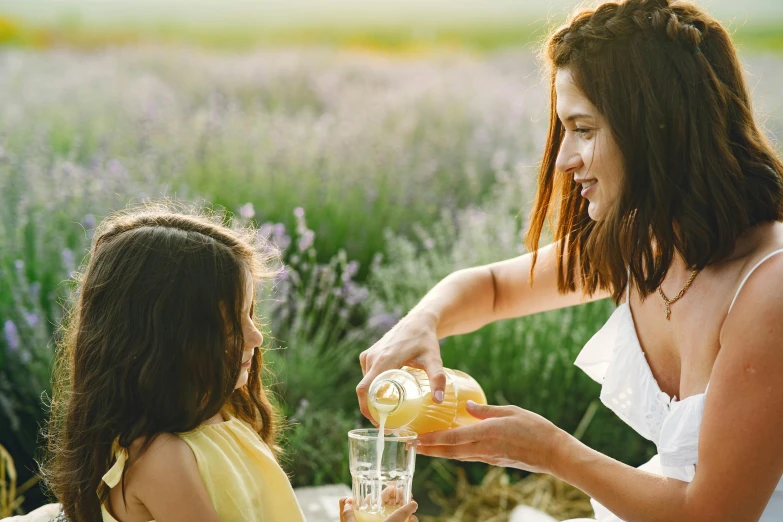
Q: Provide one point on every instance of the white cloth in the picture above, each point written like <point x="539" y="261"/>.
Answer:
<point x="614" y="358"/>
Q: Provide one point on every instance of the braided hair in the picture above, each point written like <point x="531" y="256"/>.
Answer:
<point x="698" y="171"/>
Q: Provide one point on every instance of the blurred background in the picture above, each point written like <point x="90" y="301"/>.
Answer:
<point x="382" y="144"/>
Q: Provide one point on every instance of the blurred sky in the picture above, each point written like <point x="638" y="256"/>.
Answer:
<point x="296" y="12"/>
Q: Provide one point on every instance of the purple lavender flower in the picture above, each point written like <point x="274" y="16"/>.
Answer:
<point x="299" y="212"/>
<point x="355" y="295"/>
<point x="383" y="321"/>
<point x="89" y="221"/>
<point x="429" y="243"/>
<point x="352" y="268"/>
<point x="265" y="230"/>
<point x="32" y="319"/>
<point x="68" y="260"/>
<point x="35" y="290"/>
<point x="283" y="242"/>
<point x="305" y="241"/>
<point x="19" y="265"/>
<point x="247" y="211"/>
<point x="11" y="335"/>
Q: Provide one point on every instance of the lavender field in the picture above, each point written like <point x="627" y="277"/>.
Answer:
<point x="377" y="174"/>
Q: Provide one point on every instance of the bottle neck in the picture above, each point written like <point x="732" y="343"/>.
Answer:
<point x="386" y="394"/>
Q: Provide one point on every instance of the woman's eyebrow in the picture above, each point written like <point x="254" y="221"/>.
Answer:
<point x="578" y="116"/>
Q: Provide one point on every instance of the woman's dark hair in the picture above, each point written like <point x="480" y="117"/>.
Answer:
<point x="153" y="343"/>
<point x="698" y="171"/>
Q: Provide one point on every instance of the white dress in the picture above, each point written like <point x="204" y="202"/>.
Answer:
<point x="614" y="358"/>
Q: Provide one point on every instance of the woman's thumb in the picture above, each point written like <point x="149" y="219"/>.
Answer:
<point x="483" y="411"/>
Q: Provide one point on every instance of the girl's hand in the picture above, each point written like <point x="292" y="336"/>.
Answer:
<point x="507" y="436"/>
<point x="412" y="342"/>
<point x="405" y="513"/>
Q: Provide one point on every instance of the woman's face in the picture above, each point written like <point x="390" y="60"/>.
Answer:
<point x="588" y="152"/>
<point x="252" y="337"/>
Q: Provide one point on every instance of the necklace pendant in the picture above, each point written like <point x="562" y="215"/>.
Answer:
<point x="668" y="312"/>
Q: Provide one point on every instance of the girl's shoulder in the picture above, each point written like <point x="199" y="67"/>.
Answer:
<point x="165" y="471"/>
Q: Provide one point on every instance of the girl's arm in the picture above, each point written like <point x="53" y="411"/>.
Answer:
<point x="740" y="460"/>
<point x="167" y="481"/>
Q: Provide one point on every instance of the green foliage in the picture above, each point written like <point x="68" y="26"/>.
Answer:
<point x="408" y="170"/>
<point x="528" y="361"/>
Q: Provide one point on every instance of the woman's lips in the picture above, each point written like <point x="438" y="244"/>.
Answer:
<point x="586" y="190"/>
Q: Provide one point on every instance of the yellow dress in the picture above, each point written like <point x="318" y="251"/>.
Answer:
<point x="242" y="477"/>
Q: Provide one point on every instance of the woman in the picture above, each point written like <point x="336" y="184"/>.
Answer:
<point x="665" y="196"/>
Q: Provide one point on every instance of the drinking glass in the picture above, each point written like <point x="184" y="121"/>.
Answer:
<point x="375" y="496"/>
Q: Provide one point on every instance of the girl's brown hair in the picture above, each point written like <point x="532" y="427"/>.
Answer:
<point x="153" y="343"/>
<point x="697" y="169"/>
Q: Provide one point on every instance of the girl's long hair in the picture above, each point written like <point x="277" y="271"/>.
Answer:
<point x="153" y="343"/>
<point x="698" y="171"/>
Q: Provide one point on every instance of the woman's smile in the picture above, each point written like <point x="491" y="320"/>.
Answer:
<point x="587" y="186"/>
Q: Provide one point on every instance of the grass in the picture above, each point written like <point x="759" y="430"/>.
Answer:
<point x="378" y="175"/>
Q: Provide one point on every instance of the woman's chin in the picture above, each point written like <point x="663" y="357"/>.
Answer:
<point x="593" y="211"/>
<point x="242" y="379"/>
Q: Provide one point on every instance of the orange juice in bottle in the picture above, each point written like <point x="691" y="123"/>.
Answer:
<point x="405" y="397"/>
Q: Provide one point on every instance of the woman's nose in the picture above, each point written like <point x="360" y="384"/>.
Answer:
<point x="568" y="160"/>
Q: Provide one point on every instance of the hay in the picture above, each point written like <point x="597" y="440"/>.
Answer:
<point x="11" y="497"/>
<point x="495" y="497"/>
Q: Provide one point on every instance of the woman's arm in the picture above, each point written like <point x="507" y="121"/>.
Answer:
<point x="462" y="302"/>
<point x="740" y="457"/>
<point x="167" y="482"/>
<point x="470" y="298"/>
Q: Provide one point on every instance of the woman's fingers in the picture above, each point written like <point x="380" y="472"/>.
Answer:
<point x="433" y="365"/>
<point x="452" y="437"/>
<point x="376" y="367"/>
<point x="465" y="452"/>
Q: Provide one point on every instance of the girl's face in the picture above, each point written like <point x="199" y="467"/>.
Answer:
<point x="588" y="152"/>
<point x="250" y="333"/>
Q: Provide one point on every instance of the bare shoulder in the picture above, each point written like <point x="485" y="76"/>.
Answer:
<point x="165" y="447"/>
<point x="165" y="479"/>
<point x="759" y="301"/>
<point x="740" y="448"/>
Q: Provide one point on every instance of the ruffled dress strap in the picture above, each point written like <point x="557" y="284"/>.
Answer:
<point x="113" y="476"/>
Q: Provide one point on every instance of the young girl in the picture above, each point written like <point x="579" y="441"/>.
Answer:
<point x="159" y="410"/>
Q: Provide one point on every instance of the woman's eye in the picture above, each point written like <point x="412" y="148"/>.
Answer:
<point x="584" y="133"/>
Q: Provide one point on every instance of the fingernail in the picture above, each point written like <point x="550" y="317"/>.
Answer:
<point x="439" y="395"/>
<point x="471" y="404"/>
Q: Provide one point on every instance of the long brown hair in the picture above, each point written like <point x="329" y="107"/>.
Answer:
<point x="697" y="169"/>
<point x="153" y="343"/>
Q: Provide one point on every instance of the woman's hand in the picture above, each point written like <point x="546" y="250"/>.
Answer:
<point x="412" y="342"/>
<point x="405" y="513"/>
<point x="507" y="436"/>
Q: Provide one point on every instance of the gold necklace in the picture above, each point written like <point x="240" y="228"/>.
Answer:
<point x="670" y="302"/>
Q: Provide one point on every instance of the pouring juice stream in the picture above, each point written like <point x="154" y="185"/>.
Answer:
<point x="403" y="397"/>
